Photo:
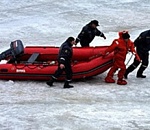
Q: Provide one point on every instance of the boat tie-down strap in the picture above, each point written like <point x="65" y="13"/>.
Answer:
<point x="33" y="57"/>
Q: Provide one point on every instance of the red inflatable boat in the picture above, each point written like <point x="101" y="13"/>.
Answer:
<point x="40" y="62"/>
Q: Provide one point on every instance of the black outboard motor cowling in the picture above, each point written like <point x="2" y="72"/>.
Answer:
<point x="16" y="49"/>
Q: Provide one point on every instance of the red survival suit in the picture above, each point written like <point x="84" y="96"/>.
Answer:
<point x="120" y="47"/>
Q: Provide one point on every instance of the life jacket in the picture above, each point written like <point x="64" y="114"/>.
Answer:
<point x="121" y="47"/>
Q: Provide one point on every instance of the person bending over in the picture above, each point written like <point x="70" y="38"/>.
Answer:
<point x="88" y="33"/>
<point x="142" y="44"/>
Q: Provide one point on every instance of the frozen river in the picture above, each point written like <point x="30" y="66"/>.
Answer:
<point x="91" y="104"/>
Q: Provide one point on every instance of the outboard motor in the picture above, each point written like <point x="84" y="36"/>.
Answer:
<point x="16" y="49"/>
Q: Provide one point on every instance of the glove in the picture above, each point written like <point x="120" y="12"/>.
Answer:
<point x="77" y="40"/>
<point x="103" y="36"/>
<point x="104" y="54"/>
<point x="137" y="57"/>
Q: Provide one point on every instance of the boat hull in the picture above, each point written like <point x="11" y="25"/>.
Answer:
<point x="87" y="62"/>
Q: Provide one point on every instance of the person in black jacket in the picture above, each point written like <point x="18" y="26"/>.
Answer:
<point x="142" y="44"/>
<point x="88" y="33"/>
<point x="64" y="63"/>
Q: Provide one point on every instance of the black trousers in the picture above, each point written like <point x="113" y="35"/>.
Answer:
<point x="144" y="56"/>
<point x="67" y="70"/>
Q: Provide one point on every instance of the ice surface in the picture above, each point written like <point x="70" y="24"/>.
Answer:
<point x="91" y="104"/>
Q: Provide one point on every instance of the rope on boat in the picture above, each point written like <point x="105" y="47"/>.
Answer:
<point x="36" y="64"/>
<point x="129" y="59"/>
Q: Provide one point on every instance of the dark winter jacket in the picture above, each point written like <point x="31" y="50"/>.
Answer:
<point x="65" y="53"/>
<point x="142" y="43"/>
<point x="87" y="34"/>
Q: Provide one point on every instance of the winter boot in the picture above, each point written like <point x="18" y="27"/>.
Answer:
<point x="130" y="69"/>
<point x="141" y="76"/>
<point x="121" y="82"/>
<point x="66" y="85"/>
<point x="109" y="79"/>
<point x="140" y="72"/>
<point x="50" y="82"/>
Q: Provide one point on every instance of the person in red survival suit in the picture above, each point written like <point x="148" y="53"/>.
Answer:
<point x="120" y="46"/>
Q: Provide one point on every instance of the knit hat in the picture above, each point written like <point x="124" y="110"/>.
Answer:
<point x="125" y="35"/>
<point x="95" y="22"/>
